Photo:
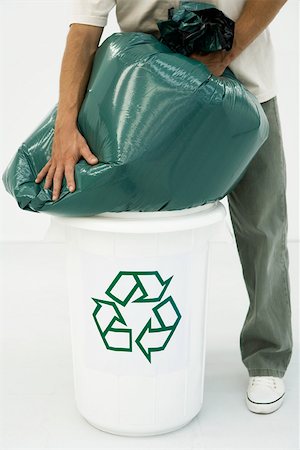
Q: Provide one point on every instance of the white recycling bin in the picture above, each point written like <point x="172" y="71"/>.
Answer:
<point x="137" y="299"/>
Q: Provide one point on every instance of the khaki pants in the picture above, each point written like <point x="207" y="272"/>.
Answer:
<point x="258" y="212"/>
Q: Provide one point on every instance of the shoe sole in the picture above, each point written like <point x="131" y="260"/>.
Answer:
<point x="264" y="408"/>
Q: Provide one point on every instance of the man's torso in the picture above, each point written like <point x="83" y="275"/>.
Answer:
<point x="254" y="67"/>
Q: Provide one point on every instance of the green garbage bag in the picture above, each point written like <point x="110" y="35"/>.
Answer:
<point x="168" y="134"/>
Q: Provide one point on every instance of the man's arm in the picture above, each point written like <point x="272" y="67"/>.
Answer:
<point x="81" y="45"/>
<point x="68" y="144"/>
<point x="256" y="15"/>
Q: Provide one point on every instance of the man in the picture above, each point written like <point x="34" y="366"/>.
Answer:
<point x="257" y="204"/>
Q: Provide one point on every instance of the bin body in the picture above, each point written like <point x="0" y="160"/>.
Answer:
<point x="137" y="299"/>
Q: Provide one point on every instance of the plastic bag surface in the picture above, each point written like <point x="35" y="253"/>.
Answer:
<point x="168" y="135"/>
<point x="196" y="27"/>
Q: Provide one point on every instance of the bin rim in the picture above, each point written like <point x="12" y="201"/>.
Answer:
<point x="148" y="221"/>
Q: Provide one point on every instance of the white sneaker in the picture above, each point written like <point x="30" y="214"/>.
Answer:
<point x="265" y="394"/>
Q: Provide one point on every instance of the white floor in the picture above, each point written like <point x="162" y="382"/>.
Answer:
<point x="37" y="407"/>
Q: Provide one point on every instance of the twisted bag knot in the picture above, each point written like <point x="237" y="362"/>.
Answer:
<point x="201" y="31"/>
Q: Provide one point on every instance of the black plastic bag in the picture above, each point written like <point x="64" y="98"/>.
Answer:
<point x="196" y="28"/>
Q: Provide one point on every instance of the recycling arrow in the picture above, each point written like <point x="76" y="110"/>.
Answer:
<point x="136" y="287"/>
<point x="156" y="339"/>
<point x="105" y="321"/>
<point x="128" y="285"/>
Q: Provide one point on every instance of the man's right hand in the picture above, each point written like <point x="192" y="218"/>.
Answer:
<point x="68" y="147"/>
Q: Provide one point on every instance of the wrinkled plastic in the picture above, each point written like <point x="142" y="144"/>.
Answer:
<point x="168" y="134"/>
<point x="196" y="27"/>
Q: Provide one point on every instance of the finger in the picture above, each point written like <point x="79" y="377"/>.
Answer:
<point x="88" y="155"/>
<point x="42" y="172"/>
<point x="49" y="177"/>
<point x="69" y="173"/>
<point x="57" y="182"/>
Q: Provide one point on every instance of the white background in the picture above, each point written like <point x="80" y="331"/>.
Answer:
<point x="37" y="407"/>
<point x="33" y="35"/>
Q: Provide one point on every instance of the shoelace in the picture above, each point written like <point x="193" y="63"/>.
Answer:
<point x="270" y="381"/>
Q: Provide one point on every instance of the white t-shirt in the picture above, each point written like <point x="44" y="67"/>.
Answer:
<point x="254" y="67"/>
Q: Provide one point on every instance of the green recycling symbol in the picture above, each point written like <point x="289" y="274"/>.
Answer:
<point x="113" y="329"/>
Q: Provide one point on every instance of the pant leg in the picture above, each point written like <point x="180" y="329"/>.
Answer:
<point x="258" y="213"/>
